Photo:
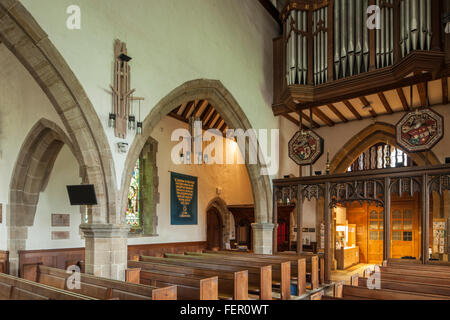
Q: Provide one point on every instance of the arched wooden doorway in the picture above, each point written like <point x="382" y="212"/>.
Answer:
<point x="214" y="229"/>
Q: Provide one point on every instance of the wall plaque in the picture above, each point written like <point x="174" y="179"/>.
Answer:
<point x="60" y="235"/>
<point x="60" y="220"/>
<point x="420" y="130"/>
<point x="305" y="147"/>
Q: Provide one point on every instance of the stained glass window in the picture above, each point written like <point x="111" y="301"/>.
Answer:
<point x="133" y="208"/>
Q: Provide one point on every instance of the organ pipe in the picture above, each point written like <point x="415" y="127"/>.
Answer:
<point x="415" y="33"/>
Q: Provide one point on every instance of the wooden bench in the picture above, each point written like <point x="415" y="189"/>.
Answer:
<point x="231" y="285"/>
<point x="281" y="270"/>
<point x="96" y="287"/>
<point x="363" y="293"/>
<point x="311" y="267"/>
<point x="260" y="274"/>
<point x="13" y="288"/>
<point x="189" y="287"/>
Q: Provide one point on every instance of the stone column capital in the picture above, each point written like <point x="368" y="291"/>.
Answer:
<point x="97" y="230"/>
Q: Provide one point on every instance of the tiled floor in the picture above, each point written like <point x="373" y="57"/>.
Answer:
<point x="344" y="275"/>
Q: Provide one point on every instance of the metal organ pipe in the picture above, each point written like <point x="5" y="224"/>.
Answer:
<point x="415" y="24"/>
<point x="296" y="47"/>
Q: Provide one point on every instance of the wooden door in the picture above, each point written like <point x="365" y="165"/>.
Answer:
<point x="375" y="235"/>
<point x="214" y="229"/>
<point x="405" y="235"/>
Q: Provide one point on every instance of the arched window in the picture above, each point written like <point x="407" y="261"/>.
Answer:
<point x="143" y="194"/>
<point x="133" y="207"/>
<point x="381" y="156"/>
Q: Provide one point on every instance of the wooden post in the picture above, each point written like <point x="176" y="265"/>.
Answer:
<point x="436" y="10"/>
<point x="275" y="221"/>
<point x="299" y="219"/>
<point x="425" y="218"/>
<point x="387" y="219"/>
<point x="327" y="222"/>
<point x="301" y="277"/>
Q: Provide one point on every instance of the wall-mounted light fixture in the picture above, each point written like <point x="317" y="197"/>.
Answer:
<point x="446" y="22"/>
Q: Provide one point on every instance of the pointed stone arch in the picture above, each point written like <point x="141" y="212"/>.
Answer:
<point x="23" y="36"/>
<point x="366" y="138"/>
<point x="30" y="177"/>
<point x="225" y="104"/>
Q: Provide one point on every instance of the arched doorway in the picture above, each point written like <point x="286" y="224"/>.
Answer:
<point x="214" y="229"/>
<point x="226" y="106"/>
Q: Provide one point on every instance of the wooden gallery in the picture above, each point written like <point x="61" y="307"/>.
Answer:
<point x="225" y="150"/>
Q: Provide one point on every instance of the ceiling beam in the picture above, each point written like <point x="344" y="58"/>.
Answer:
<point x="177" y="116"/>
<point x="292" y="119"/>
<point x="308" y="119"/>
<point x="322" y="116"/>
<point x="402" y="98"/>
<point x="337" y="112"/>
<point x="366" y="102"/>
<point x="210" y="120"/>
<point x="385" y="103"/>
<point x="200" y="104"/>
<point x="205" y="114"/>
<point x="187" y="109"/>
<point x="445" y="90"/>
<point x="421" y="87"/>
<point x="223" y="126"/>
<point x="218" y="122"/>
<point x="352" y="109"/>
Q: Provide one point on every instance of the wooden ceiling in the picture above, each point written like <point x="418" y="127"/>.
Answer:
<point x="374" y="105"/>
<point x="210" y="118"/>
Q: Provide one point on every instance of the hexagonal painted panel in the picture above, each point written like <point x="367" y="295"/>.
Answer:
<point x="305" y="147"/>
<point x="420" y="130"/>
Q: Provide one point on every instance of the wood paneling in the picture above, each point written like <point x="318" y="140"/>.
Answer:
<point x="62" y="258"/>
<point x="4" y="264"/>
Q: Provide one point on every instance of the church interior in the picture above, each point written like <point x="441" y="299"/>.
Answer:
<point x="224" y="150"/>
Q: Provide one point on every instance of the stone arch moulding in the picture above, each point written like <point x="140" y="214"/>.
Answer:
<point x="30" y="176"/>
<point x="222" y="208"/>
<point x="375" y="133"/>
<point x="23" y="36"/>
<point x="232" y="113"/>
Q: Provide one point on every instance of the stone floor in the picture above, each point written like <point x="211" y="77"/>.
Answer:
<point x="344" y="275"/>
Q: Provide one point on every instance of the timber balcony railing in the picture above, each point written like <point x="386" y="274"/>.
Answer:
<point x="330" y="48"/>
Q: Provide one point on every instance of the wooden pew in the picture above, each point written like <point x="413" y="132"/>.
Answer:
<point x="362" y="293"/>
<point x="312" y="264"/>
<point x="231" y="284"/>
<point x="417" y="272"/>
<point x="281" y="271"/>
<point x="260" y="277"/>
<point x="96" y="287"/>
<point x="415" y="265"/>
<point x="189" y="287"/>
<point x="414" y="287"/>
<point x="13" y="288"/>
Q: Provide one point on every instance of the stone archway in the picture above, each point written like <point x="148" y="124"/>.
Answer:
<point x="373" y="134"/>
<point x="228" y="108"/>
<point x="23" y="36"/>
<point x="30" y="177"/>
<point x="220" y="205"/>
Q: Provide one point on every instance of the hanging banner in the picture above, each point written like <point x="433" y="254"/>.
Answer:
<point x="420" y="130"/>
<point x="183" y="199"/>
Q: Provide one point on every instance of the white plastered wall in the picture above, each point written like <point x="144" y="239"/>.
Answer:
<point x="231" y="179"/>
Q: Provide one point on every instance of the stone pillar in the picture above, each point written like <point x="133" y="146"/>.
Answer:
<point x="17" y="238"/>
<point x="262" y="237"/>
<point x="106" y="250"/>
